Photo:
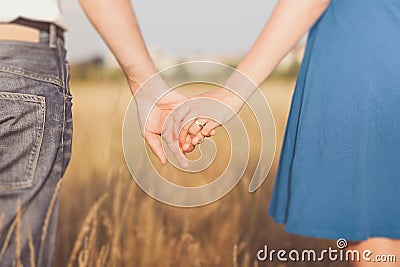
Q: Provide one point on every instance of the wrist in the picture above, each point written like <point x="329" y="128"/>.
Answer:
<point x="152" y="90"/>
<point x="234" y="101"/>
<point x="137" y="74"/>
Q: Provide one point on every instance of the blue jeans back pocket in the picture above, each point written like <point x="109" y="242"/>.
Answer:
<point x="22" y="118"/>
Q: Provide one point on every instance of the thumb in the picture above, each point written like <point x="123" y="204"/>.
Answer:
<point x="177" y="152"/>
<point x="154" y="142"/>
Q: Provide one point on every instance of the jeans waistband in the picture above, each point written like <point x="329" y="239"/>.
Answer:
<point x="44" y="61"/>
<point x="52" y="29"/>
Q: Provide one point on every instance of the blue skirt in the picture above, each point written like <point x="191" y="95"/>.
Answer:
<point x="339" y="168"/>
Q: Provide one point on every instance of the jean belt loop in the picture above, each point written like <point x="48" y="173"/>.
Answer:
<point x="52" y="36"/>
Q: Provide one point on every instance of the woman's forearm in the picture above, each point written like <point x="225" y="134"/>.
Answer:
<point x="290" y="20"/>
<point x="116" y="23"/>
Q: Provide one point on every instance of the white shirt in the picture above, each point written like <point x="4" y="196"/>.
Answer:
<point x="37" y="10"/>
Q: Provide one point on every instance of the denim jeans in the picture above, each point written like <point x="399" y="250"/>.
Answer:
<point x="35" y="147"/>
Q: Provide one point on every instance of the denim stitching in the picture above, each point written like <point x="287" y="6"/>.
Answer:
<point x="64" y="106"/>
<point x="23" y="97"/>
<point x="61" y="65"/>
<point x="68" y="95"/>
<point x="20" y="72"/>
<point x="44" y="233"/>
<point x="63" y="69"/>
<point x="39" y="138"/>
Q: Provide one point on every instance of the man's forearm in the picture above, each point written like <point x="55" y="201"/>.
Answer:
<point x="116" y="23"/>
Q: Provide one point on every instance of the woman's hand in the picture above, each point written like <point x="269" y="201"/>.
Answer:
<point x="199" y="116"/>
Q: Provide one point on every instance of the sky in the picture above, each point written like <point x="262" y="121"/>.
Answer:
<point x="177" y="27"/>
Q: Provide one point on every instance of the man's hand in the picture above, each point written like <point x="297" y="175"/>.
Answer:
<point x="153" y="110"/>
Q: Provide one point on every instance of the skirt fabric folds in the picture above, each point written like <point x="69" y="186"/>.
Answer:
<point x="339" y="168"/>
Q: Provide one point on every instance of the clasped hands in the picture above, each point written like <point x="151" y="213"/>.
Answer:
<point x="182" y="122"/>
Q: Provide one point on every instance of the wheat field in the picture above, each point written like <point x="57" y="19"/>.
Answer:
<point x="107" y="220"/>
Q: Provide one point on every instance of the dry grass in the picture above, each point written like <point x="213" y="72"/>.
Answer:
<point x="1" y="222"/>
<point x="18" y="236"/>
<point x="106" y="220"/>
<point x="31" y="251"/>
<point x="45" y="227"/>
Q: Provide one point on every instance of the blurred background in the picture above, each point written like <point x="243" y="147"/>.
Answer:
<point x="105" y="219"/>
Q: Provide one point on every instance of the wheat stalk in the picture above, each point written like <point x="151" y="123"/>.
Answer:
<point x="18" y="235"/>
<point x="7" y="239"/>
<point x="115" y="250"/>
<point x="11" y="230"/>
<point x="127" y="205"/>
<point x="83" y="257"/>
<point x="31" y="250"/>
<point x="107" y="223"/>
<point x="85" y="228"/>
<point x="102" y="259"/>
<point x="1" y="222"/>
<point x="92" y="239"/>
<point x="234" y="255"/>
<point x="246" y="260"/>
<point x="15" y="222"/>
<point x="47" y="221"/>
